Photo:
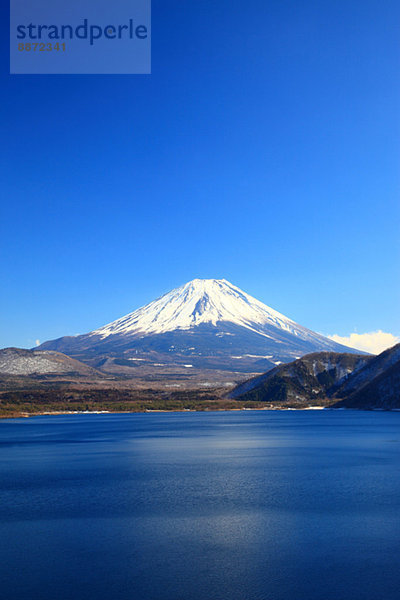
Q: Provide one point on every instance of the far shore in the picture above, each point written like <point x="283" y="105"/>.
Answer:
<point x="24" y="415"/>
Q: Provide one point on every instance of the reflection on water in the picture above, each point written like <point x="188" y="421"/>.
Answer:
<point x="195" y="506"/>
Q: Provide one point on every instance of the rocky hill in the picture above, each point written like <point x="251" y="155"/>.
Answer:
<point x="18" y="362"/>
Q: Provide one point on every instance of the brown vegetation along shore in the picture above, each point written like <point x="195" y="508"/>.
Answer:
<point x="35" y="401"/>
<point x="20" y="403"/>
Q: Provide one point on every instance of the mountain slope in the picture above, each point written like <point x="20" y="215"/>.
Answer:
<point x="308" y="380"/>
<point x="376" y="385"/>
<point x="209" y="320"/>
<point x="337" y="380"/>
<point x="377" y="366"/>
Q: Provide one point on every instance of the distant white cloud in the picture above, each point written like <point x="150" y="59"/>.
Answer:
<point x="37" y="342"/>
<point x="373" y="342"/>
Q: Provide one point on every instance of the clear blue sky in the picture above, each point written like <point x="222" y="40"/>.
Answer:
<point x="264" y="148"/>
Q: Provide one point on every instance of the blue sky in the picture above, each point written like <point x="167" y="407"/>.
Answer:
<point x="263" y="148"/>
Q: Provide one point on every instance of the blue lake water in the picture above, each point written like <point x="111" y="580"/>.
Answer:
<point x="201" y="506"/>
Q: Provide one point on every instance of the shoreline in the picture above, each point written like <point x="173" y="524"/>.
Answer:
<point x="25" y="415"/>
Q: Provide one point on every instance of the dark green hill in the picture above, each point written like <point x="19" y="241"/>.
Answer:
<point x="329" y="379"/>
<point x="308" y="380"/>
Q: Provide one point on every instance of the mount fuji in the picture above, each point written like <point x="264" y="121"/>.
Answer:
<point x="208" y="323"/>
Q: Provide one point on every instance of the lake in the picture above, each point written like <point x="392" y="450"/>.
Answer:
<point x="249" y="505"/>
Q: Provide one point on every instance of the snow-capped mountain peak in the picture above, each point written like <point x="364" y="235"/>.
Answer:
<point x="200" y="301"/>
<point x="206" y="323"/>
